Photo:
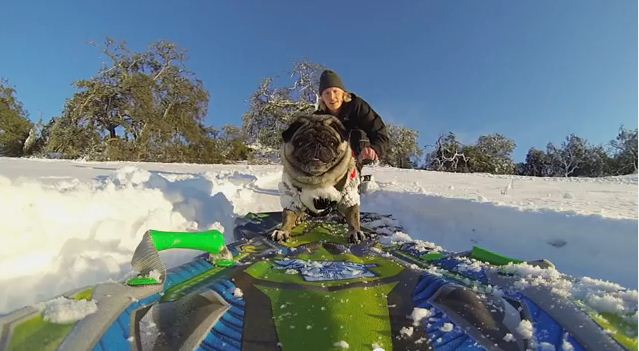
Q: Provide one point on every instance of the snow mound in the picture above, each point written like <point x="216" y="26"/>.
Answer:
<point x="602" y="296"/>
<point x="63" y="311"/>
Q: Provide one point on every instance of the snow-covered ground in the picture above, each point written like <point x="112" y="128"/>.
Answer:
<point x="67" y="224"/>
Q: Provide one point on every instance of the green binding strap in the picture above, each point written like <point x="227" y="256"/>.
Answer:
<point x="211" y="241"/>
<point x="484" y="255"/>
<point x="142" y="281"/>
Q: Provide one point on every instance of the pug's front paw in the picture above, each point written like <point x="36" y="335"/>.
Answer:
<point x="356" y="236"/>
<point x="280" y="235"/>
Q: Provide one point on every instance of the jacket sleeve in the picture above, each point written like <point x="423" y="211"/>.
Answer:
<point x="371" y="122"/>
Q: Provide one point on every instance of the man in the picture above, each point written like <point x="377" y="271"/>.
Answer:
<point x="365" y="128"/>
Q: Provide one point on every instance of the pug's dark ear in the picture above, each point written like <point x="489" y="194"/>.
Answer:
<point x="339" y="127"/>
<point x="287" y="135"/>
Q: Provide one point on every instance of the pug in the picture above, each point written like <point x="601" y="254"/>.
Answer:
<point x="319" y="174"/>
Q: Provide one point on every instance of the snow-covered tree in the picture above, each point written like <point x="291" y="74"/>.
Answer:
<point x="491" y="154"/>
<point x="142" y="106"/>
<point x="624" y="149"/>
<point x="14" y="124"/>
<point x="537" y="164"/>
<point x="272" y="108"/>
<point x="403" y="150"/>
<point x="233" y="143"/>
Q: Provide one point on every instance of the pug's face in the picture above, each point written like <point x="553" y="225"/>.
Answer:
<point x="315" y="143"/>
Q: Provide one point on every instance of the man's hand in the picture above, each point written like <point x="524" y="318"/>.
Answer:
<point x="368" y="153"/>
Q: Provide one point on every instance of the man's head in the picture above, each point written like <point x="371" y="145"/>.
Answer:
<point x="332" y="91"/>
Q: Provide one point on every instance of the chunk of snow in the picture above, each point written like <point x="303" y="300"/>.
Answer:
<point x="370" y="186"/>
<point x="600" y="284"/>
<point x="238" y="293"/>
<point x="341" y="344"/>
<point x="525" y="329"/>
<point x="396" y="238"/>
<point x="420" y="340"/>
<point x="447" y="327"/>
<point x="418" y="314"/>
<point x="566" y="345"/>
<point x="546" y="346"/>
<point x="424" y="246"/>
<point x="63" y="311"/>
<point x="155" y="274"/>
<point x="474" y="266"/>
<point x="509" y="338"/>
<point x="605" y="303"/>
<point x="131" y="176"/>
<point x="406" y="331"/>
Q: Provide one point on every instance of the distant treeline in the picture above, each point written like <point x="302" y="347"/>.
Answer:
<point x="147" y="106"/>
<point x="575" y="157"/>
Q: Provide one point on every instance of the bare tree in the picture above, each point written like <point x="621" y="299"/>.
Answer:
<point x="447" y="155"/>
<point x="568" y="159"/>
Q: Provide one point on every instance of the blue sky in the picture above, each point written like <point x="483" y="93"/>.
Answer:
<point x="534" y="70"/>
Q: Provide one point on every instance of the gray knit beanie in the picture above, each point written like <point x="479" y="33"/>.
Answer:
<point x="330" y="79"/>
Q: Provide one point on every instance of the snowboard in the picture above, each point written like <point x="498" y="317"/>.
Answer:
<point x="318" y="292"/>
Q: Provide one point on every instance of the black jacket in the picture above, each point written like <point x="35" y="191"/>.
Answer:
<point x="358" y="114"/>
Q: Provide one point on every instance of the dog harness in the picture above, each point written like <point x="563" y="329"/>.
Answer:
<point x="321" y="200"/>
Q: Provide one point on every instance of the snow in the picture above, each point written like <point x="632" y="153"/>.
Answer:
<point x="396" y="238"/>
<point x="509" y="338"/>
<point x="447" y="327"/>
<point x="68" y="224"/>
<point x="566" y="345"/>
<point x="155" y="275"/>
<point x="470" y="266"/>
<point x="525" y="329"/>
<point x="406" y="331"/>
<point x="63" y="311"/>
<point x="341" y="344"/>
<point x="602" y="296"/>
<point x="418" y="314"/>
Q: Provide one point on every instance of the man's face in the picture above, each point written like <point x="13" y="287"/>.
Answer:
<point x="333" y="98"/>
